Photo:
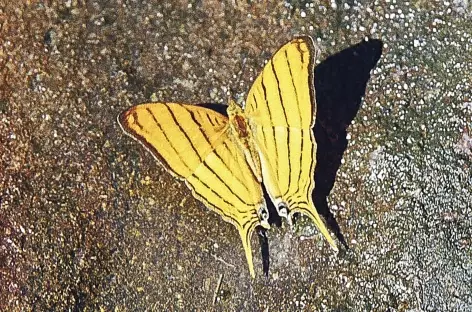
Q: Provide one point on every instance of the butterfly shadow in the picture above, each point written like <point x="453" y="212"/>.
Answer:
<point x="340" y="84"/>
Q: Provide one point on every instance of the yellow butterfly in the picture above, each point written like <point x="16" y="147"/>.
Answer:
<point x="224" y="160"/>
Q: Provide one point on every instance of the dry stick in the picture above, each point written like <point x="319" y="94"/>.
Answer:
<point x="221" y="260"/>
<point x="215" y="294"/>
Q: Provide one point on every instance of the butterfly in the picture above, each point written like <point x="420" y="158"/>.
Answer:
<point x="225" y="159"/>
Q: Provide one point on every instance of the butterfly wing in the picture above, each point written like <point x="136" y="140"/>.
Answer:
<point x="195" y="145"/>
<point x="280" y="108"/>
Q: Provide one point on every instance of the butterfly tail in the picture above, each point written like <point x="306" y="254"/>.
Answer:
<point x="314" y="216"/>
<point x="246" y="238"/>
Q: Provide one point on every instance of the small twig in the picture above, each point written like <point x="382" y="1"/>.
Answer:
<point x="308" y="237"/>
<point x="221" y="260"/>
<point x="215" y="294"/>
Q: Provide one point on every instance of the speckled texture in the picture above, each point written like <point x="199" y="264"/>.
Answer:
<point x="88" y="221"/>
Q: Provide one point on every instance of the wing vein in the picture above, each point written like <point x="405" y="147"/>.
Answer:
<point x="282" y="104"/>
<point x="216" y="194"/>
<point x="218" y="156"/>
<point x="183" y="131"/>
<point x="294" y="87"/>
<point x="165" y="135"/>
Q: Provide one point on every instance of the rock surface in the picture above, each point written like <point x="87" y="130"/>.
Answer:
<point x="89" y="221"/>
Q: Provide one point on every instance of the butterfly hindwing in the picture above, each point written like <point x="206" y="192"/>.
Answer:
<point x="280" y="107"/>
<point x="282" y="93"/>
<point x="194" y="143"/>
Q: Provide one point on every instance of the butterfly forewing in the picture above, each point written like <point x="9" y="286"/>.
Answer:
<point x="160" y="127"/>
<point x="194" y="143"/>
<point x="280" y="108"/>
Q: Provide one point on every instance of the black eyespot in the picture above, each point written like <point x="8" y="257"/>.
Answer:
<point x="283" y="206"/>
<point x="282" y="209"/>
<point x="264" y="214"/>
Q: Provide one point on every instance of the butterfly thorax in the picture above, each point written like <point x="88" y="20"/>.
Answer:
<point x="242" y="133"/>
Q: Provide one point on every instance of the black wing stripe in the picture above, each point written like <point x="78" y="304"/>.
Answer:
<point x="165" y="135"/>
<point x="184" y="132"/>
<point x="282" y="104"/>
<point x="220" y="211"/>
<point x="294" y="87"/>
<point x="203" y="161"/>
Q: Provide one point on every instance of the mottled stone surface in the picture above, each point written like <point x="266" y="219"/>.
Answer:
<point x="89" y="221"/>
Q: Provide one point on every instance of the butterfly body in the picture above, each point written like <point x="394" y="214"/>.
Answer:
<point x="241" y="130"/>
<point x="224" y="160"/>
